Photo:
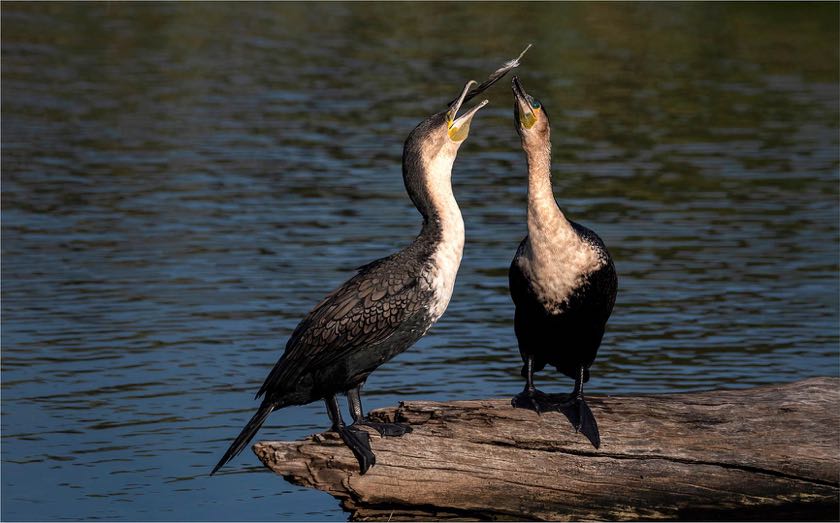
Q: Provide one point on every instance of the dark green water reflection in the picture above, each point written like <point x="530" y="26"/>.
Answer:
<point x="181" y="182"/>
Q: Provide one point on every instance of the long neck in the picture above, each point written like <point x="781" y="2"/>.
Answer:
<point x="544" y="217"/>
<point x="429" y="184"/>
<point x="442" y="221"/>
<point x="442" y="236"/>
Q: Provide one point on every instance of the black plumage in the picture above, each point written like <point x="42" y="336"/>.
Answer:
<point x="562" y="281"/>
<point x="564" y="333"/>
<point x="374" y="316"/>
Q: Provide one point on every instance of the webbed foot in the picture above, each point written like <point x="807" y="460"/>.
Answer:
<point x="582" y="419"/>
<point x="358" y="440"/>
<point x="391" y="430"/>
<point x="537" y="401"/>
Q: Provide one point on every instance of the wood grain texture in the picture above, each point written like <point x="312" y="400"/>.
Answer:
<point x="770" y="452"/>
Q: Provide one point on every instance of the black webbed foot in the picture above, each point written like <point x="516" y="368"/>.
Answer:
<point x="537" y="401"/>
<point x="391" y="430"/>
<point x="354" y="399"/>
<point x="572" y="406"/>
<point x="582" y="419"/>
<point x="358" y="440"/>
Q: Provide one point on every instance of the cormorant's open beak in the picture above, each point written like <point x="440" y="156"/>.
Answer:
<point x="459" y="126"/>
<point x="528" y="116"/>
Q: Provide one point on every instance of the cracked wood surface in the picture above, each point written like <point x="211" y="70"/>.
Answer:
<point x="770" y="452"/>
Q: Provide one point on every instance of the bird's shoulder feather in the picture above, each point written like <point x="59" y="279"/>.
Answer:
<point x="365" y="310"/>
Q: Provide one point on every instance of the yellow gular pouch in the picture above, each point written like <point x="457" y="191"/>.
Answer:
<point x="459" y="134"/>
<point x="529" y="119"/>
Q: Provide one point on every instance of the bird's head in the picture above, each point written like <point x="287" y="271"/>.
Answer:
<point x="458" y="127"/>
<point x="439" y="136"/>
<point x="530" y="118"/>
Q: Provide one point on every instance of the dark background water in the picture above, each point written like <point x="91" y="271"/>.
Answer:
<point x="181" y="182"/>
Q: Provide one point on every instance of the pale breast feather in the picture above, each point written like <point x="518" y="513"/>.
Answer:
<point x="440" y="275"/>
<point x="556" y="269"/>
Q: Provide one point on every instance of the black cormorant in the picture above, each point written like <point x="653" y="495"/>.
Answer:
<point x="562" y="281"/>
<point x="388" y="305"/>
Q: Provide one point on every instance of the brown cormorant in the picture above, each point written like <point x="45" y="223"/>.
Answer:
<point x="562" y="281"/>
<point x="389" y="304"/>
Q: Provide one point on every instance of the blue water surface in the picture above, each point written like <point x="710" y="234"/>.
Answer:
<point x="182" y="182"/>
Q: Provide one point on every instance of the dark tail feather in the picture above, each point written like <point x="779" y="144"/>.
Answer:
<point x="584" y="422"/>
<point x="246" y="435"/>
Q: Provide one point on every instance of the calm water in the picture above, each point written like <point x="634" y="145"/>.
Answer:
<point x="182" y="182"/>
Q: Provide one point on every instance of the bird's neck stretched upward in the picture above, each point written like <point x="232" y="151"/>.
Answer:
<point x="544" y="216"/>
<point x="429" y="183"/>
<point x="556" y="258"/>
<point x="442" y="219"/>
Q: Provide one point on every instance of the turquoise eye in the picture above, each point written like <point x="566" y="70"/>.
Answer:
<point x="535" y="104"/>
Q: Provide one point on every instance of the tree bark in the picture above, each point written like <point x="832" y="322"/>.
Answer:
<point x="770" y="453"/>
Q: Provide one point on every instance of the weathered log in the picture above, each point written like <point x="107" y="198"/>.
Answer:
<point x="771" y="452"/>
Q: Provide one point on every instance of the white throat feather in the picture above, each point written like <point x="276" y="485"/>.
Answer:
<point x="556" y="260"/>
<point x="448" y="251"/>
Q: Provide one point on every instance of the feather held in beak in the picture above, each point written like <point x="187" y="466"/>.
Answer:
<point x="497" y="75"/>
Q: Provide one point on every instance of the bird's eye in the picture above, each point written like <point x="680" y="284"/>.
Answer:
<point x="535" y="104"/>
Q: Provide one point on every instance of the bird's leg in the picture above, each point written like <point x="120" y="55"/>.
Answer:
<point x="573" y="405"/>
<point x="577" y="392"/>
<point x="354" y="399"/>
<point x="356" y="439"/>
<point x="576" y="409"/>
<point x="530" y="398"/>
